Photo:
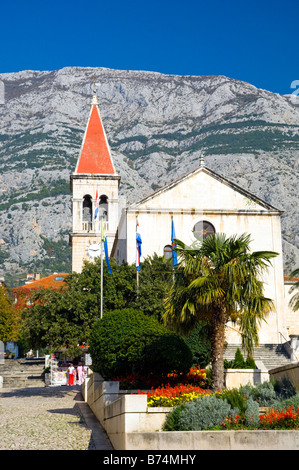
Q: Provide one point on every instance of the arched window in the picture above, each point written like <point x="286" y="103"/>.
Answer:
<point x="203" y="229"/>
<point x="87" y="213"/>
<point x="87" y="209"/>
<point x="167" y="251"/>
<point x="103" y="207"/>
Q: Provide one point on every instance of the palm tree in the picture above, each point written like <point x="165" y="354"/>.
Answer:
<point x="219" y="280"/>
<point x="294" y="302"/>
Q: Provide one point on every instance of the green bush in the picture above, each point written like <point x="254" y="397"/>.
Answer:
<point x="167" y="353"/>
<point x="200" y="414"/>
<point x="199" y="343"/>
<point x="264" y="393"/>
<point x="172" y="420"/>
<point x="127" y="341"/>
<point x="239" y="362"/>
<point x="252" y="413"/>
<point x="247" y="407"/>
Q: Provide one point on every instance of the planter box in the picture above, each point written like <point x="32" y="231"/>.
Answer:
<point x="213" y="440"/>
<point x="236" y="377"/>
<point x="132" y="425"/>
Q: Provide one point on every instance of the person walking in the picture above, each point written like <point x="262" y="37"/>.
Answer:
<point x="80" y="373"/>
<point x="71" y="371"/>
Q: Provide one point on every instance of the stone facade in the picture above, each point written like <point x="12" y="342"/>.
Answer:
<point x="203" y="195"/>
<point x="88" y="232"/>
<point x="201" y="199"/>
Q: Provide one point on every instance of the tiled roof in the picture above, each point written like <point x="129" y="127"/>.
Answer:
<point x="95" y="153"/>
<point x="291" y="279"/>
<point x="54" y="281"/>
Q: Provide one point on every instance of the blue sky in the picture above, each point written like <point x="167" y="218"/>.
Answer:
<point x="256" y="41"/>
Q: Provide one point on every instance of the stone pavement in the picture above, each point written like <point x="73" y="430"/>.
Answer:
<point x="48" y="418"/>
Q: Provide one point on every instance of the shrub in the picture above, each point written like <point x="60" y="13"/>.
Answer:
<point x="172" y="420"/>
<point x="119" y="345"/>
<point x="202" y="413"/>
<point x="239" y="362"/>
<point x="199" y="343"/>
<point x="248" y="408"/>
<point x="263" y="393"/>
<point x="252" y="417"/>
<point x="167" y="353"/>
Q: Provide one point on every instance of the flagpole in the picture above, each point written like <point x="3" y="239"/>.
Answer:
<point x="137" y="271"/>
<point x="101" y="266"/>
<point x="172" y="249"/>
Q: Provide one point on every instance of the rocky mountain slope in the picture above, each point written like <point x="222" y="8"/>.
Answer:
<point x="157" y="125"/>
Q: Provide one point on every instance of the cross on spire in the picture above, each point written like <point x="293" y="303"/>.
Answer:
<point x="95" y="156"/>
<point x="94" y="83"/>
<point x="202" y="159"/>
<point x="94" y="100"/>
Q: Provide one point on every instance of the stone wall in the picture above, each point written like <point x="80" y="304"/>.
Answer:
<point x="290" y="372"/>
<point x="131" y="425"/>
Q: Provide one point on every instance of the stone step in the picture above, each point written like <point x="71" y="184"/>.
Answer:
<point x="25" y="382"/>
<point x="272" y="355"/>
<point x="21" y="373"/>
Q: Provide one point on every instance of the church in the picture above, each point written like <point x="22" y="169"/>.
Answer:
<point x="196" y="204"/>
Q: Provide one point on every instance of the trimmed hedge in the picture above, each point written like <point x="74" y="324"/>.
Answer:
<point x="127" y="341"/>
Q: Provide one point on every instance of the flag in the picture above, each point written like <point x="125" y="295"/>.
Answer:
<point x="104" y="241"/>
<point x="138" y="247"/>
<point x="106" y="255"/>
<point x="173" y="244"/>
<point x="96" y="205"/>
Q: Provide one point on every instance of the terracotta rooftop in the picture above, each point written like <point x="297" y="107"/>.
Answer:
<point x="54" y="281"/>
<point x="95" y="153"/>
<point x="291" y="279"/>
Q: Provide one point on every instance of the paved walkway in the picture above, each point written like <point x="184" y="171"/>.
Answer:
<point x="48" y="418"/>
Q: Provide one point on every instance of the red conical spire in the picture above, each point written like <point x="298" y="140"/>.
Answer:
<point x="95" y="154"/>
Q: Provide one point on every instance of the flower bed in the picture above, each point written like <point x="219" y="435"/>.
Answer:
<point x="195" y="376"/>
<point x="237" y="410"/>
<point x="173" y="396"/>
<point x="286" y="419"/>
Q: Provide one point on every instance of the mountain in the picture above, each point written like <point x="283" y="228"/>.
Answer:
<point x="157" y="125"/>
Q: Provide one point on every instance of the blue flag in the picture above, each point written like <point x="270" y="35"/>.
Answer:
<point x="138" y="250"/>
<point x="173" y="244"/>
<point x="106" y="255"/>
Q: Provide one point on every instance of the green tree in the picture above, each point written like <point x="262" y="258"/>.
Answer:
<point x="57" y="318"/>
<point x="219" y="280"/>
<point x="294" y="302"/>
<point x="66" y="317"/>
<point x="127" y="341"/>
<point x="155" y="278"/>
<point x="9" y="317"/>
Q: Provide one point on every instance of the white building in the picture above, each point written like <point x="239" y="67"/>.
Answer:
<point x="200" y="201"/>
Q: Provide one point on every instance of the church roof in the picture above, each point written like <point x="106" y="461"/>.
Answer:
<point x="215" y="175"/>
<point x="95" y="156"/>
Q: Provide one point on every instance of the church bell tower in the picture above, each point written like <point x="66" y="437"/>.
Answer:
<point x="94" y="186"/>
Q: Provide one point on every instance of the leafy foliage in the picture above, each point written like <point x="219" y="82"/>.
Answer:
<point x="239" y="362"/>
<point x="294" y="302"/>
<point x="9" y="317"/>
<point x="167" y="353"/>
<point x="199" y="342"/>
<point x="218" y="280"/>
<point x="203" y="413"/>
<point x="121" y="341"/>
